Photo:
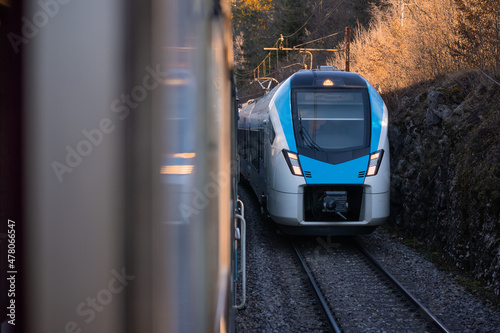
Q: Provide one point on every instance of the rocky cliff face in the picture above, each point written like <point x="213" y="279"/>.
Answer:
<point x="445" y="150"/>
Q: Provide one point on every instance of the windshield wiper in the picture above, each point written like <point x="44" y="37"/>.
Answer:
<point x="306" y="137"/>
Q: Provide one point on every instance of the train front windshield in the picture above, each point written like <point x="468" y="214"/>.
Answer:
<point x="333" y="119"/>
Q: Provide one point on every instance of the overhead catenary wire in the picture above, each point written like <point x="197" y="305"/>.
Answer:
<point x="282" y="37"/>
<point x="329" y="13"/>
<point x="275" y="47"/>
<point x="279" y="44"/>
<point x="259" y="94"/>
<point x="295" y="64"/>
<point x="303" y="25"/>
<point x="316" y="39"/>
<point x="489" y="77"/>
<point x="244" y="73"/>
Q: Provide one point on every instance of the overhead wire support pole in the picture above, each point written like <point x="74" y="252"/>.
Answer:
<point x="310" y="53"/>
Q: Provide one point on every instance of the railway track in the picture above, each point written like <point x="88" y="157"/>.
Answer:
<point x="357" y="293"/>
<point x="279" y="298"/>
<point x="317" y="291"/>
<point x="360" y="299"/>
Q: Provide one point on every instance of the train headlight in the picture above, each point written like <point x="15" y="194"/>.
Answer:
<point x="374" y="164"/>
<point x="328" y="83"/>
<point x="292" y="160"/>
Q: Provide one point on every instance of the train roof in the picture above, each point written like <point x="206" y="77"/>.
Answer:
<point x="317" y="78"/>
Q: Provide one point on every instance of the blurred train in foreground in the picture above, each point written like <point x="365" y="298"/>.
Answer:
<point x="315" y="151"/>
<point x="128" y="218"/>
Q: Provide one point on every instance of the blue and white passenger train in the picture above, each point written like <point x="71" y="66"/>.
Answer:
<point x="315" y="151"/>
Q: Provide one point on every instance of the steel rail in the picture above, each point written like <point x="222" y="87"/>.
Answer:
<point x="319" y="294"/>
<point x="421" y="308"/>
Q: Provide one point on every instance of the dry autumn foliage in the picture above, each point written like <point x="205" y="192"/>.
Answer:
<point x="412" y="41"/>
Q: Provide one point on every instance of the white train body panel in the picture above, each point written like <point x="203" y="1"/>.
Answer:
<point x="306" y="149"/>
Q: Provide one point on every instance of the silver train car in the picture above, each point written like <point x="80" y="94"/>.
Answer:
<point x="315" y="151"/>
<point x="127" y="174"/>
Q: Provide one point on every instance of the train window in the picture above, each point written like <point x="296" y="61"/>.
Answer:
<point x="332" y="120"/>
<point x="261" y="146"/>
<point x="254" y="148"/>
<point x="242" y="145"/>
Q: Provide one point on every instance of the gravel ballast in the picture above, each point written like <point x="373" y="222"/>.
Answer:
<point x="279" y="299"/>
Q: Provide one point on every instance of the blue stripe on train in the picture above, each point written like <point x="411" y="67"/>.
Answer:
<point x="350" y="172"/>
<point x="284" y="107"/>
<point x="377" y="105"/>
